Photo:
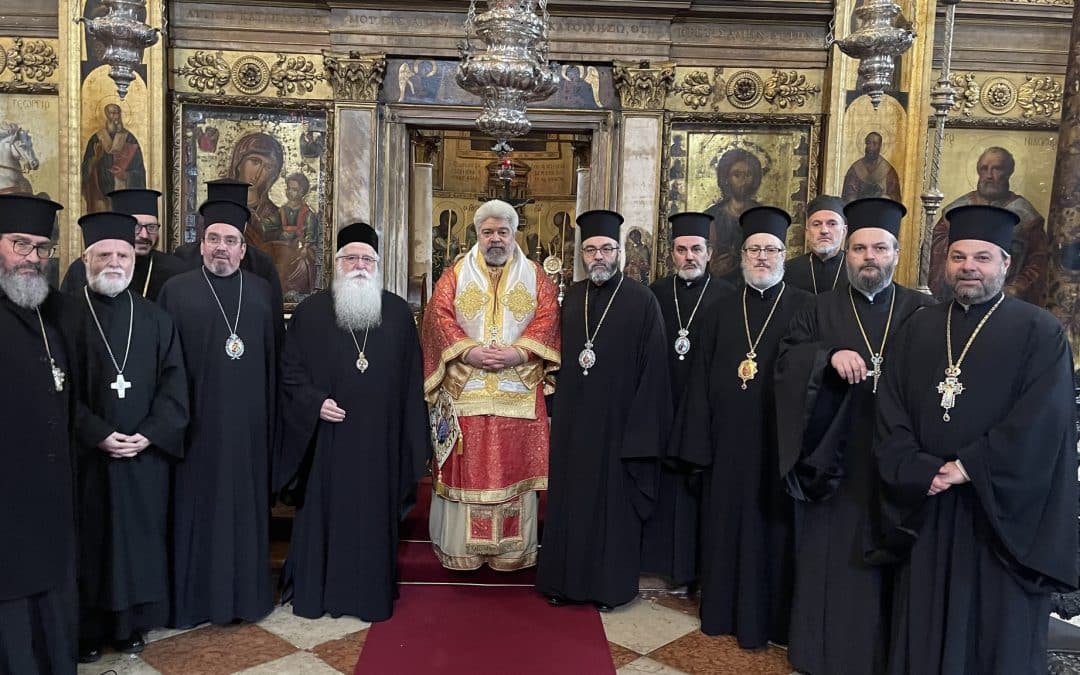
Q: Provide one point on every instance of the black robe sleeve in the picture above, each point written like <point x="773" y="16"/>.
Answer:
<point x="415" y="436"/>
<point x="167" y="422"/>
<point x="691" y="437"/>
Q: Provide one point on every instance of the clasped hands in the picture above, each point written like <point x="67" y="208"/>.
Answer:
<point x="947" y="476"/>
<point x="492" y="358"/>
<point x="123" y="446"/>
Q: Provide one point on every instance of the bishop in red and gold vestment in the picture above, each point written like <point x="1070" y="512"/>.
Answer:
<point x="490" y="338"/>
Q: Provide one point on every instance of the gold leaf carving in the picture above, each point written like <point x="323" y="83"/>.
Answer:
<point x="967" y="92"/>
<point x="1039" y="97"/>
<point x="788" y="88"/>
<point x="355" y="76"/>
<point x="205" y="71"/>
<point x="745" y="89"/>
<point x="642" y="85"/>
<point x="696" y="89"/>
<point x="34" y="60"/>
<point x="291" y="74"/>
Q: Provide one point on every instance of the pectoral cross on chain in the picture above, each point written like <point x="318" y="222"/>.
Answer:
<point x="120" y="385"/>
<point x="949" y="389"/>
<point x="876" y="360"/>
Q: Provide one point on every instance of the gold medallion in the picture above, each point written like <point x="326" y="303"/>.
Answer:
<point x="747" y="369"/>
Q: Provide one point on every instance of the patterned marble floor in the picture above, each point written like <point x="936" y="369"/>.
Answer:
<point x="656" y="634"/>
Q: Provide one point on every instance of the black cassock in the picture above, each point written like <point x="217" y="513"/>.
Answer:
<point x="840" y="608"/>
<point x="607" y="430"/>
<point x="827" y="275"/>
<point x="123" y="503"/>
<point x="360" y="472"/>
<point x="221" y="491"/>
<point x="979" y="559"/>
<point x="256" y="261"/>
<point x="37" y="521"/>
<point x="669" y="541"/>
<point x="164" y="268"/>
<point x="731" y="432"/>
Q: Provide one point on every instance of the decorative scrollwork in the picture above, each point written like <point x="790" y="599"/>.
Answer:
<point x="966" y="91"/>
<point x="788" y="88"/>
<point x="251" y="75"/>
<point x="356" y="76"/>
<point x="696" y="89"/>
<point x="3" y="61"/>
<point x="206" y="72"/>
<point x="1040" y="97"/>
<point x="745" y="89"/>
<point x="33" y="60"/>
<point x="998" y="95"/>
<point x="291" y="74"/>
<point x="642" y="85"/>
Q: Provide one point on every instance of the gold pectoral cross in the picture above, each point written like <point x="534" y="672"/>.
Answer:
<point x="876" y="360"/>
<point x="950" y="388"/>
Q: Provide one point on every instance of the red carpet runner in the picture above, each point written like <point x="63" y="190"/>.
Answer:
<point x="468" y="630"/>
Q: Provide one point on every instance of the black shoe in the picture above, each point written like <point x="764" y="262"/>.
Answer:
<point x="133" y="645"/>
<point x="556" y="600"/>
<point x="604" y="607"/>
<point x="89" y="653"/>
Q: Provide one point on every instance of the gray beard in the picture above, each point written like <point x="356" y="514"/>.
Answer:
<point x="767" y="283"/>
<point x="690" y="275"/>
<point x="868" y="287"/>
<point x="26" y="292"/>
<point x="601" y="276"/>
<point x="357" y="303"/>
<point x="103" y="285"/>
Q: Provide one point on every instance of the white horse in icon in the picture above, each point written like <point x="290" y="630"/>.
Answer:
<point x="17" y="158"/>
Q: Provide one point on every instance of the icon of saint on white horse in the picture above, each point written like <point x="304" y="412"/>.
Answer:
<point x="17" y="159"/>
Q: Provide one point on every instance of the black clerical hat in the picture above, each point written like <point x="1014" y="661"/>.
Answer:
<point x="25" y="214"/>
<point x="358" y="233"/>
<point x="135" y="201"/>
<point x="690" y="224"/>
<point x="227" y="189"/>
<point x="765" y="219"/>
<point x="824" y="203"/>
<point x="986" y="223"/>
<point x="223" y="211"/>
<point x="875" y="212"/>
<point x="107" y="225"/>
<point x="599" y="223"/>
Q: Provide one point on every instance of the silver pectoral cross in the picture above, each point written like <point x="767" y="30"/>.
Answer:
<point x="950" y="388"/>
<point x="876" y="360"/>
<point x="120" y="385"/>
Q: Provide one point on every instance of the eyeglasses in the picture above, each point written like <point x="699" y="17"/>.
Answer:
<point x="152" y="228"/>
<point x="23" y="247"/>
<point x="353" y="259"/>
<point x="231" y="242"/>
<point x="591" y="251"/>
<point x="769" y="251"/>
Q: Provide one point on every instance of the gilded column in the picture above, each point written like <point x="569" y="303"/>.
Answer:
<point x="1063" y="223"/>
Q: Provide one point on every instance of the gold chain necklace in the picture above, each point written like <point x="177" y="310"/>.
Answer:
<point x="149" y="271"/>
<point x="361" y="360"/>
<point x="234" y="346"/>
<point x="58" y="375"/>
<point x="748" y="367"/>
<point x="587" y="357"/>
<point x="951" y="387"/>
<point x="813" y="277"/>
<point x="682" y="343"/>
<point x="875" y="358"/>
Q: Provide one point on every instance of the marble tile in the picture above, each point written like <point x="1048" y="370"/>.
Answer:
<point x="621" y="656"/>
<point x="163" y="633"/>
<point x="700" y="654"/>
<point x="686" y="605"/>
<point x="300" y="663"/>
<point x="647" y="665"/>
<point x="122" y="664"/>
<point x="306" y="633"/>
<point x="643" y="625"/>
<point x="342" y="654"/>
<point x="215" y="650"/>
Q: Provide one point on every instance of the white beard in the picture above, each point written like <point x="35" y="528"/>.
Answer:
<point x="357" y="300"/>
<point x="108" y="285"/>
<point x="768" y="282"/>
<point x="27" y="292"/>
<point x="690" y="275"/>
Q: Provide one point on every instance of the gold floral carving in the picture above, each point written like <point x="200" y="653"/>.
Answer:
<point x="998" y="95"/>
<point x="788" y="88"/>
<point x="3" y="60"/>
<point x="355" y="76"/>
<point x="34" y="60"/>
<point x="292" y="74"/>
<point x="471" y="301"/>
<point x="1040" y="96"/>
<point x="643" y="85"/>
<point x="699" y="90"/>
<point x="519" y="301"/>
<point x="744" y="89"/>
<point x="967" y="92"/>
<point x="251" y="75"/>
<point x="206" y="72"/>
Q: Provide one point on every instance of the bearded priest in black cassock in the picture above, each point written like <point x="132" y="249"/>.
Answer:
<point x="37" y="518"/>
<point x="355" y="432"/>
<point x="132" y="413"/>
<point x="976" y="449"/>
<point x="822" y="269"/>
<point x="612" y="413"/>
<point x="830" y="367"/>
<point x="152" y="267"/>
<point x="726" y="424"/>
<point x="221" y="491"/>
<point x="669" y="542"/>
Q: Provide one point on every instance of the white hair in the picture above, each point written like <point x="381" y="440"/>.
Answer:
<point x="498" y="209"/>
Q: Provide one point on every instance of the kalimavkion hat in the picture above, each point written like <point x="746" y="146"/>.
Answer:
<point x="599" y="223"/>
<point x="358" y="233"/>
<point x="135" y="201"/>
<point x="222" y="211"/>
<point x="107" y="225"/>
<point x="765" y="220"/>
<point x="986" y="223"/>
<point x="690" y="224"/>
<point x="875" y="212"/>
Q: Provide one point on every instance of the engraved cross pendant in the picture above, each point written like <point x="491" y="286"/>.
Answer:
<point x="876" y="360"/>
<point x="120" y="385"/>
<point x="949" y="389"/>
